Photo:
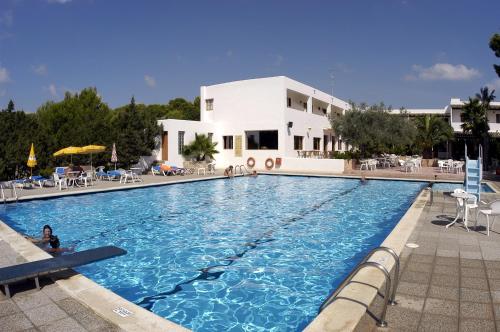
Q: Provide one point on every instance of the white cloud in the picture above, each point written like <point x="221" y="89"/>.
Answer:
<point x="494" y="85"/>
<point x="150" y="81"/>
<point x="62" y="2"/>
<point x="52" y="90"/>
<point x="443" y="71"/>
<point x="4" y="75"/>
<point x="40" y="69"/>
<point x="6" y="18"/>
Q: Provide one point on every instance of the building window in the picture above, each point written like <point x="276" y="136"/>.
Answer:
<point x="340" y="144"/>
<point x="210" y="137"/>
<point x="298" y="142"/>
<point x="462" y="117"/>
<point x="498" y="118"/>
<point x="180" y="141"/>
<point x="289" y="102"/>
<point x="305" y="106"/>
<point x="228" y="142"/>
<point x="209" y="104"/>
<point x="324" y="111"/>
<point x="316" y="143"/>
<point x="262" y="140"/>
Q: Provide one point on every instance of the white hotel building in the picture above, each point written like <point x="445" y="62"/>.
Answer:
<point x="260" y="118"/>
<point x="276" y="117"/>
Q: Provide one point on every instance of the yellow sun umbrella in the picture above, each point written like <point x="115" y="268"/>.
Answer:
<point x="71" y="150"/>
<point x="92" y="149"/>
<point x="32" y="158"/>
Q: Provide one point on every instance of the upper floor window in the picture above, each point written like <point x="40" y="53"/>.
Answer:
<point x="180" y="145"/>
<point x="289" y="102"/>
<point x="209" y="104"/>
<point x="297" y="142"/>
<point x="498" y="118"/>
<point x="228" y="142"/>
<point x="316" y="143"/>
<point x="462" y="117"/>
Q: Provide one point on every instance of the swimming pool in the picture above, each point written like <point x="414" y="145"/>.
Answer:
<point x="443" y="186"/>
<point x="247" y="254"/>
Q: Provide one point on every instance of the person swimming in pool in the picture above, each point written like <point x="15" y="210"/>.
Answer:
<point x="49" y="242"/>
<point x="229" y="172"/>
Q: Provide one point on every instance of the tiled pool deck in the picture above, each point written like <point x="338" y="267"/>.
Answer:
<point x="451" y="282"/>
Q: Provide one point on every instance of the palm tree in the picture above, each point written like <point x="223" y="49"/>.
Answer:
<point x="201" y="148"/>
<point x="475" y="121"/>
<point x="432" y="130"/>
<point x="485" y="97"/>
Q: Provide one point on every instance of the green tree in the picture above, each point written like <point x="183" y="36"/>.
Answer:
<point x="374" y="130"/>
<point x="432" y="130"/>
<point x="200" y="149"/>
<point x="495" y="47"/>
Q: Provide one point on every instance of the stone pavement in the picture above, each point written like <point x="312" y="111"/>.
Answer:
<point x="50" y="309"/>
<point x="451" y="282"/>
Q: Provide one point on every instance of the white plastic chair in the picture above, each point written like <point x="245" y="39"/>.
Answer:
<point x="60" y="182"/>
<point x="464" y="205"/>
<point x="211" y="168"/>
<point x="493" y="210"/>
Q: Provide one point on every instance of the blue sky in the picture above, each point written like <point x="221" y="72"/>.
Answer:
<point x="408" y="53"/>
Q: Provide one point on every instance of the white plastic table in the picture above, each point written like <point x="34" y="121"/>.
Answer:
<point x="464" y="210"/>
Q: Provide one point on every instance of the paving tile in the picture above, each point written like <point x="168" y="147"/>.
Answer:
<point x="421" y="258"/>
<point x="445" y="269"/>
<point x="474" y="283"/>
<point x="45" y="314"/>
<point x="8" y="307"/>
<point x="15" y="322"/>
<point x="55" y="292"/>
<point x="71" y="306"/>
<point x="438" y="323"/>
<point x="447" y="253"/>
<point x="411" y="288"/>
<point x="492" y="264"/>
<point x="409" y="302"/>
<point x="444" y="293"/>
<point x="441" y="307"/>
<point x="494" y="284"/>
<point x="470" y="272"/>
<point x="495" y="296"/>
<point x="471" y="254"/>
<point x="418" y="277"/>
<point x="418" y="267"/>
<point x="492" y="254"/>
<point x="91" y="321"/>
<point x="31" y="299"/>
<point x="475" y="295"/>
<point x="493" y="273"/>
<point x="447" y="261"/>
<point x="476" y="310"/>
<point x="476" y="263"/>
<point x="496" y="310"/>
<point x="402" y="319"/>
<point x="444" y="280"/>
<point x="475" y="325"/>
<point x="64" y="325"/>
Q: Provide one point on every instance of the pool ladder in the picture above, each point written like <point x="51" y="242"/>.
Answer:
<point x="389" y="297"/>
<point x="241" y="168"/>
<point x="12" y="189"/>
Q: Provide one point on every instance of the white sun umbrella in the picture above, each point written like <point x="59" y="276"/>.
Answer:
<point x="114" y="158"/>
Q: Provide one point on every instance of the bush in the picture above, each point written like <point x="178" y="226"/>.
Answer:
<point x="47" y="172"/>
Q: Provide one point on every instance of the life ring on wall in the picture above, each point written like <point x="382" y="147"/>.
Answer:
<point x="269" y="163"/>
<point x="250" y="162"/>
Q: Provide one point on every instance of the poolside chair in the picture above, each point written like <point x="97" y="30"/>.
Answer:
<point x="40" y="180"/>
<point x="156" y="170"/>
<point x="36" y="269"/>
<point x="492" y="210"/>
<point x="60" y="181"/>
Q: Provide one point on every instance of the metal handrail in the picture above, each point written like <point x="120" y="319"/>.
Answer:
<point x="391" y="251"/>
<point x="381" y="322"/>
<point x="389" y="296"/>
<point x="241" y="167"/>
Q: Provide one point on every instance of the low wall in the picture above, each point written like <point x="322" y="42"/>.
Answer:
<point x="311" y="165"/>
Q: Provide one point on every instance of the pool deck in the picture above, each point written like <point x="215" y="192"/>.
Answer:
<point x="451" y="282"/>
<point x="448" y="283"/>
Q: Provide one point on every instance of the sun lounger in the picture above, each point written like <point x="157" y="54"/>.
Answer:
<point x="36" y="269"/>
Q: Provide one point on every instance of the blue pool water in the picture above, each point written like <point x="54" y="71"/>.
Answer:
<point x="452" y="186"/>
<point x="244" y="254"/>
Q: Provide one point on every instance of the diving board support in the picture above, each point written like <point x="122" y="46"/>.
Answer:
<point x="474" y="173"/>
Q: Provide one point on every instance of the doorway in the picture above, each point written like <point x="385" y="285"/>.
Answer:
<point x="164" y="146"/>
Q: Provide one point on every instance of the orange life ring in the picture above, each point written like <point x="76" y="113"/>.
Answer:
<point x="250" y="162"/>
<point x="269" y="163"/>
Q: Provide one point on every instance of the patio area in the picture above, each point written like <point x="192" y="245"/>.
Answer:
<point x="451" y="282"/>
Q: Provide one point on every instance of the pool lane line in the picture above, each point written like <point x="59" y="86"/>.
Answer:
<point x="207" y="275"/>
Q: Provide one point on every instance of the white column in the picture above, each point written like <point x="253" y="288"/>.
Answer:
<point x="309" y="105"/>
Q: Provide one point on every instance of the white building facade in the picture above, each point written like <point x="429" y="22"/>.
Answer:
<point x="265" y="118"/>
